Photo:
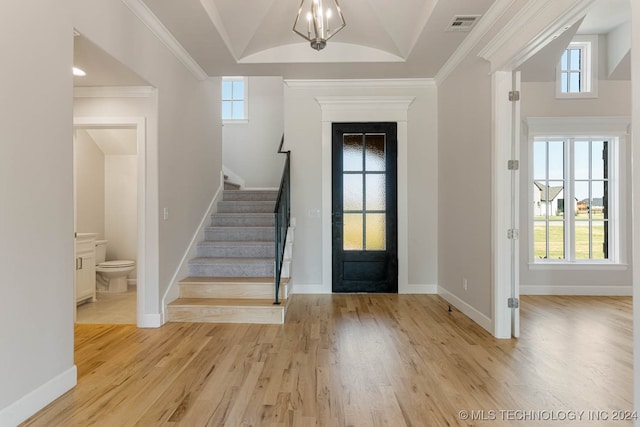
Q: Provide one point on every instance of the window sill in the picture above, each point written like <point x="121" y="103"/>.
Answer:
<point x="577" y="95"/>
<point x="611" y="266"/>
<point x="235" y="122"/>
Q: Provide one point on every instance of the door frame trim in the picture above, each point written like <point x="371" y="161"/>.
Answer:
<point x="366" y="109"/>
<point x="143" y="264"/>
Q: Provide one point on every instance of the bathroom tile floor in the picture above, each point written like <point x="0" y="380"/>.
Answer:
<point x="109" y="308"/>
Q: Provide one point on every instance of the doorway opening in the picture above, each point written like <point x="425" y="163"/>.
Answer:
<point x="109" y="194"/>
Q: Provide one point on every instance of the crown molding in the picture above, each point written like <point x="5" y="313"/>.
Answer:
<point x="531" y="29"/>
<point x="488" y="20"/>
<point x="113" y="91"/>
<point x="362" y="83"/>
<point x="164" y="35"/>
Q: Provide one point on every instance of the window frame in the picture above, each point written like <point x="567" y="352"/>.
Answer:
<point x="616" y="130"/>
<point x="245" y="99"/>
<point x="588" y="45"/>
<point x="569" y="180"/>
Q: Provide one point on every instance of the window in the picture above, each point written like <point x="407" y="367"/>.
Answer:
<point x="234" y="99"/>
<point x="574" y="203"/>
<point x="576" y="72"/>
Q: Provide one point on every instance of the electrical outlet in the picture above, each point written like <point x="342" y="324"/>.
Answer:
<point x="465" y="285"/>
<point x="165" y="213"/>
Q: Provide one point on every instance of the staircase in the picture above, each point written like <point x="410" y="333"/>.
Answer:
<point x="232" y="278"/>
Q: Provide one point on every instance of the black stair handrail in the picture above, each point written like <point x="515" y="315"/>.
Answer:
<point x="282" y="214"/>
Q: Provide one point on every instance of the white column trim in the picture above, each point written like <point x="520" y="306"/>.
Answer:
<point x="366" y="109"/>
<point x="533" y="27"/>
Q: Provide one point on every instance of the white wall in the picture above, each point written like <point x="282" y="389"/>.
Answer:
<point x="187" y="162"/>
<point x="538" y="100"/>
<point x="303" y="136"/>
<point x="249" y="149"/>
<point x="465" y="188"/>
<point x="36" y="217"/>
<point x="121" y="210"/>
<point x="89" y="184"/>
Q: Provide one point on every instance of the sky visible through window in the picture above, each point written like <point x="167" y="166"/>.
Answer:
<point x="582" y="166"/>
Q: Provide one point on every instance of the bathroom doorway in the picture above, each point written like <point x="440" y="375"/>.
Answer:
<point x="109" y="194"/>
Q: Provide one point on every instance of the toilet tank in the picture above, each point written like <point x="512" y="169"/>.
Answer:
<point x="101" y="251"/>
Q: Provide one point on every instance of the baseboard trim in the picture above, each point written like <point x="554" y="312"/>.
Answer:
<point x="37" y="399"/>
<point x="585" y="290"/>
<point x="418" y="289"/>
<point x="150" y="320"/>
<point x="310" y="289"/>
<point x="469" y="311"/>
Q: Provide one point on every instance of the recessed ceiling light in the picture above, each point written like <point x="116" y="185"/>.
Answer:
<point x="78" y="72"/>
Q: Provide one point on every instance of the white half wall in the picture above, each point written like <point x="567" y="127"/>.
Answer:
<point x="36" y="218"/>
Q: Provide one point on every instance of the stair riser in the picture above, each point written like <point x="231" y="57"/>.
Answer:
<point x="227" y="234"/>
<point x="209" y="250"/>
<point x="232" y="270"/>
<point x="235" y="290"/>
<point x="244" y="207"/>
<point x="243" y="221"/>
<point x="215" y="314"/>
<point x="245" y="195"/>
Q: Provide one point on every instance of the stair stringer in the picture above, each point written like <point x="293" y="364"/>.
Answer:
<point x="173" y="291"/>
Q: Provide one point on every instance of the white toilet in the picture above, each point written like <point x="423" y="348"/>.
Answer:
<point x="111" y="276"/>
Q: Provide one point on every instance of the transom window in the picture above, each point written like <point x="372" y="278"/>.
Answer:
<point x="234" y="99"/>
<point x="574" y="203"/>
<point x="576" y="71"/>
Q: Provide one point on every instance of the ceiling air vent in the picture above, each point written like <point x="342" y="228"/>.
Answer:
<point x="463" y="22"/>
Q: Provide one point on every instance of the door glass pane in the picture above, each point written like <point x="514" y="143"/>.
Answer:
<point x="352" y="192"/>
<point x="376" y="226"/>
<point x="376" y="192"/>
<point x="352" y="232"/>
<point x="352" y="153"/>
<point x="375" y="153"/>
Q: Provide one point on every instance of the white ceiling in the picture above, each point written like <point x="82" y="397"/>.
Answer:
<point x="382" y="39"/>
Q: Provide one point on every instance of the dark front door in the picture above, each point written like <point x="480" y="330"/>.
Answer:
<point x="365" y="244"/>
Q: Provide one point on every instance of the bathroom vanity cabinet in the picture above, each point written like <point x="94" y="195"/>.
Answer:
<point x="85" y="280"/>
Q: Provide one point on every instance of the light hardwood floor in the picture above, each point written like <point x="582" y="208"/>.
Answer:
<point x="356" y="360"/>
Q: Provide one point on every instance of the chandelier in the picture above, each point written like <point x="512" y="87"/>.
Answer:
<point x="318" y="21"/>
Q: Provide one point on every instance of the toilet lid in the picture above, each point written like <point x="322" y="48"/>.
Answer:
<point x="117" y="264"/>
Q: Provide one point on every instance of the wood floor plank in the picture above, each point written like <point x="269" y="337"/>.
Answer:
<point x="353" y="360"/>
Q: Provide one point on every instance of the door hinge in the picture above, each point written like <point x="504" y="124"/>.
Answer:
<point x="513" y="303"/>
<point x="514" y="95"/>
<point x="513" y="234"/>
<point x="513" y="165"/>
